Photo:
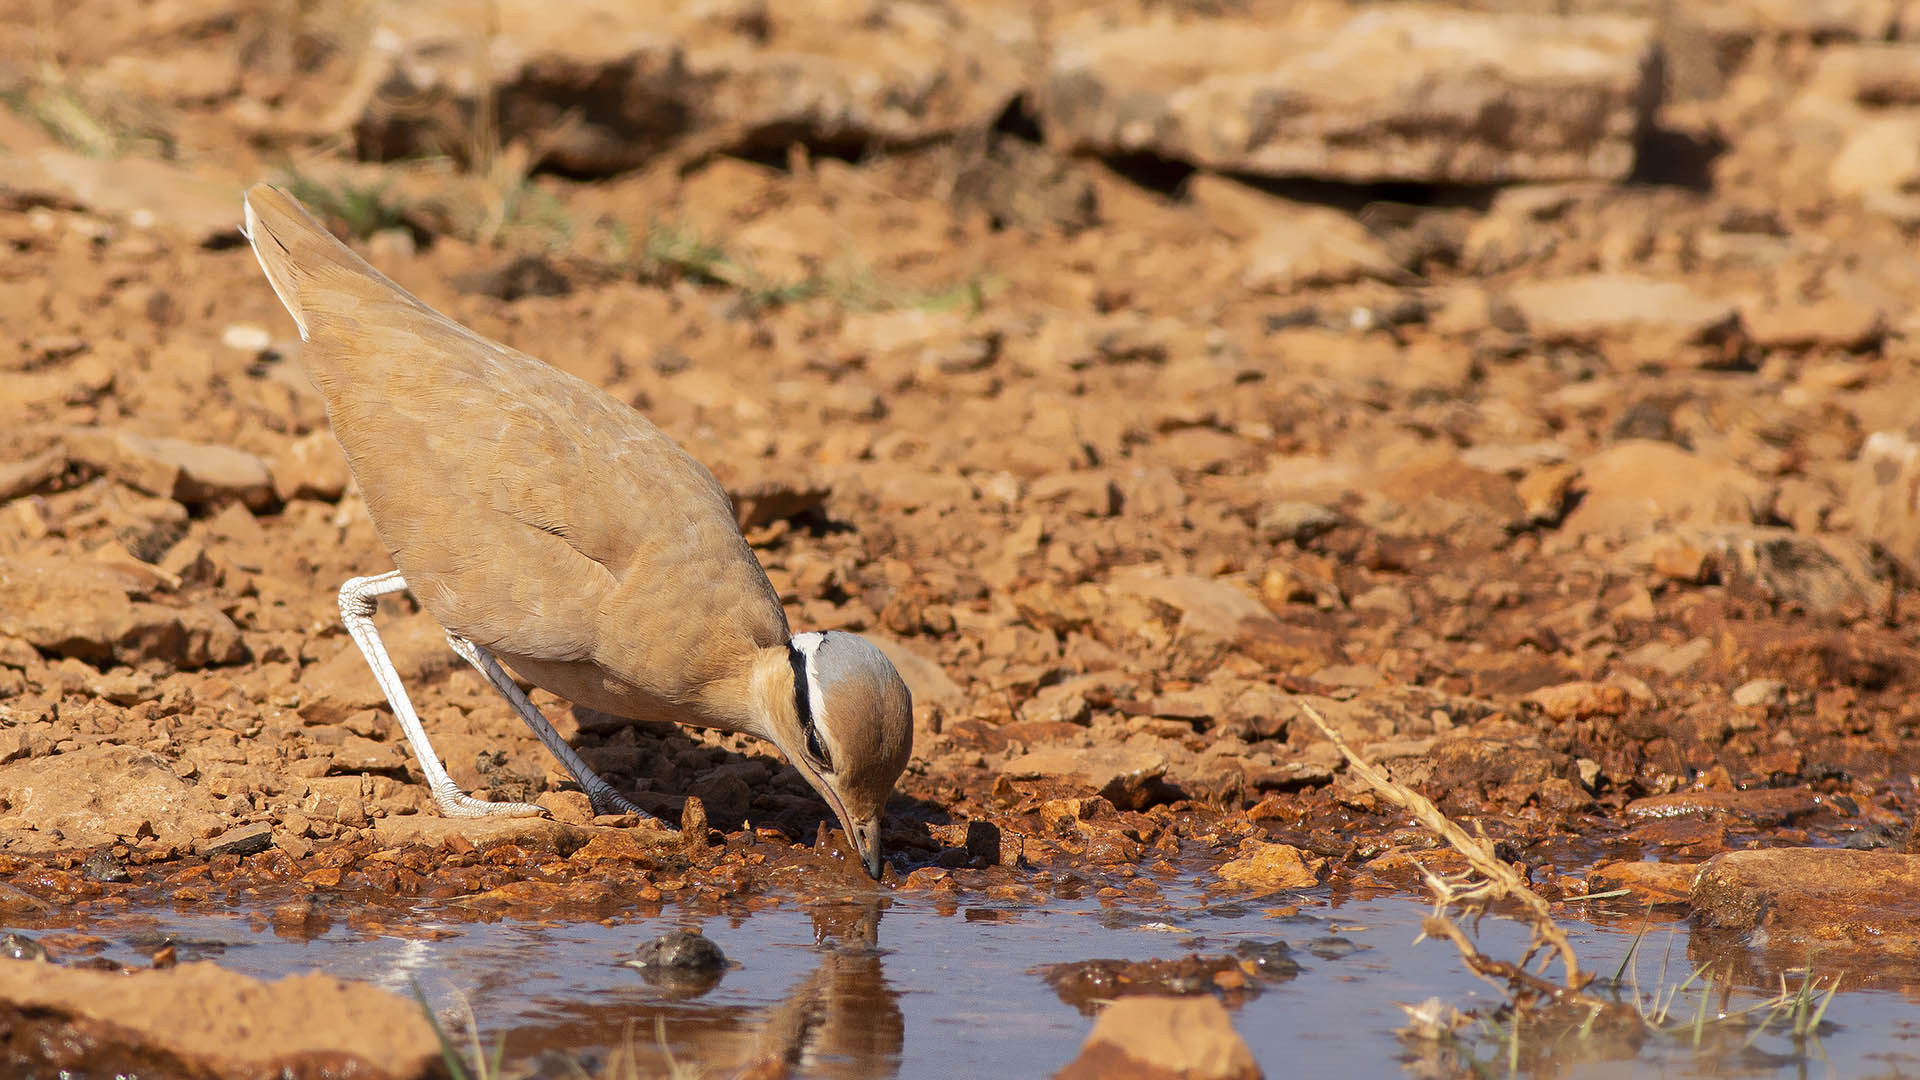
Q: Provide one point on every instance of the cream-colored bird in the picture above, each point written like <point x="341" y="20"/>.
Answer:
<point x="552" y="528"/>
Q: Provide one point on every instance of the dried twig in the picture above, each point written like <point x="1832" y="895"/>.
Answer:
<point x="1502" y="881"/>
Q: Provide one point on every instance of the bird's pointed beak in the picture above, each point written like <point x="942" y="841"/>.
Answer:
<point x="866" y="844"/>
<point x="862" y="836"/>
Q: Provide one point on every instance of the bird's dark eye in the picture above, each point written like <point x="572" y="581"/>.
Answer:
<point x="813" y="747"/>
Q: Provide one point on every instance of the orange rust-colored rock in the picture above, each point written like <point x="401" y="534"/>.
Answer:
<point x="1649" y="882"/>
<point x="1815" y="899"/>
<point x="1273" y="866"/>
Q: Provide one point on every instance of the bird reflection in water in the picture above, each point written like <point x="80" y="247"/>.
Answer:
<point x="841" y="1021"/>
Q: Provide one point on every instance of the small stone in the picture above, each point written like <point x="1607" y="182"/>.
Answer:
<point x="1623" y="307"/>
<point x="1270" y="960"/>
<point x="1836" y="322"/>
<point x="194" y="474"/>
<point x="1580" y="700"/>
<point x="570" y="807"/>
<point x="1682" y="562"/>
<point x="102" y="866"/>
<point x="302" y="918"/>
<point x="18" y="946"/>
<point x="1670" y="660"/>
<point x="246" y="337"/>
<point x="1881" y="499"/>
<point x="311" y="467"/>
<point x="1546" y="492"/>
<point x="1295" y="521"/>
<point x="1270" y="867"/>
<point x="296" y="845"/>
<point x="685" y="962"/>
<point x="1760" y="692"/>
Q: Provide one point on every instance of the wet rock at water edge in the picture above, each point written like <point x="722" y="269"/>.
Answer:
<point x="1085" y="983"/>
<point x="1814" y="901"/>
<point x="684" y="962"/>
<point x="1270" y="960"/>
<point x="102" y="866"/>
<point x="22" y="947"/>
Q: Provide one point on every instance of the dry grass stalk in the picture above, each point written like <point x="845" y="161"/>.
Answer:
<point x="1501" y="882"/>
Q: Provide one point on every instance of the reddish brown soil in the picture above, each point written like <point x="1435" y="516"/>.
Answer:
<point x="1126" y="503"/>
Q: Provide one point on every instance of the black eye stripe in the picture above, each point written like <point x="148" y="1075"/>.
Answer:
<point x="803" y="706"/>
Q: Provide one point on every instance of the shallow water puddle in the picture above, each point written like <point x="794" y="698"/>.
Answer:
<point x="921" y="987"/>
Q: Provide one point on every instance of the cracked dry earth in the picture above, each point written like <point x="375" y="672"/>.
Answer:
<point x="1583" y="515"/>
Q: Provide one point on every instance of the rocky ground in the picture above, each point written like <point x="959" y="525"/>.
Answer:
<point x="1534" y="393"/>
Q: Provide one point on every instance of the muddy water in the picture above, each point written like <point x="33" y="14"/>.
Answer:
<point x="857" y="986"/>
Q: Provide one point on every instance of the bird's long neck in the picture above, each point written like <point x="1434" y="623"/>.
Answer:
<point x="743" y="699"/>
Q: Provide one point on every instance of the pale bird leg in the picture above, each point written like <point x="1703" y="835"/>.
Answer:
<point x="358" y="599"/>
<point x="601" y="794"/>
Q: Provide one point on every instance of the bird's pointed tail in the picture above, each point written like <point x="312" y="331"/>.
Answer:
<point x="311" y="272"/>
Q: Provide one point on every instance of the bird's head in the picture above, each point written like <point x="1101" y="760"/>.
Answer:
<point x="841" y="714"/>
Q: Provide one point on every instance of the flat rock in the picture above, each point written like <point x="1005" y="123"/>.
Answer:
<point x="245" y="840"/>
<point x="1406" y="93"/>
<point x="532" y="833"/>
<point x="1648" y="882"/>
<point x="1760" y="806"/>
<point x="1580" y="700"/>
<point x="1214" y="611"/>
<point x="1270" y="867"/>
<point x="1163" y="1038"/>
<point x="1291" y="245"/>
<point x="1880" y="162"/>
<point x="201" y="1020"/>
<point x="1124" y="775"/>
<point x="311" y="467"/>
<point x="91" y="611"/>
<point x="603" y="86"/>
<point x="1836" y="322"/>
<point x="1588" y="308"/>
<point x="31" y="475"/>
<point x="1635" y="486"/>
<point x="1802" y="900"/>
<point x="194" y="474"/>
<point x="98" y="795"/>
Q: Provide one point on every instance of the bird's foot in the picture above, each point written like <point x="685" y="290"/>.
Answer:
<point x="458" y="805"/>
